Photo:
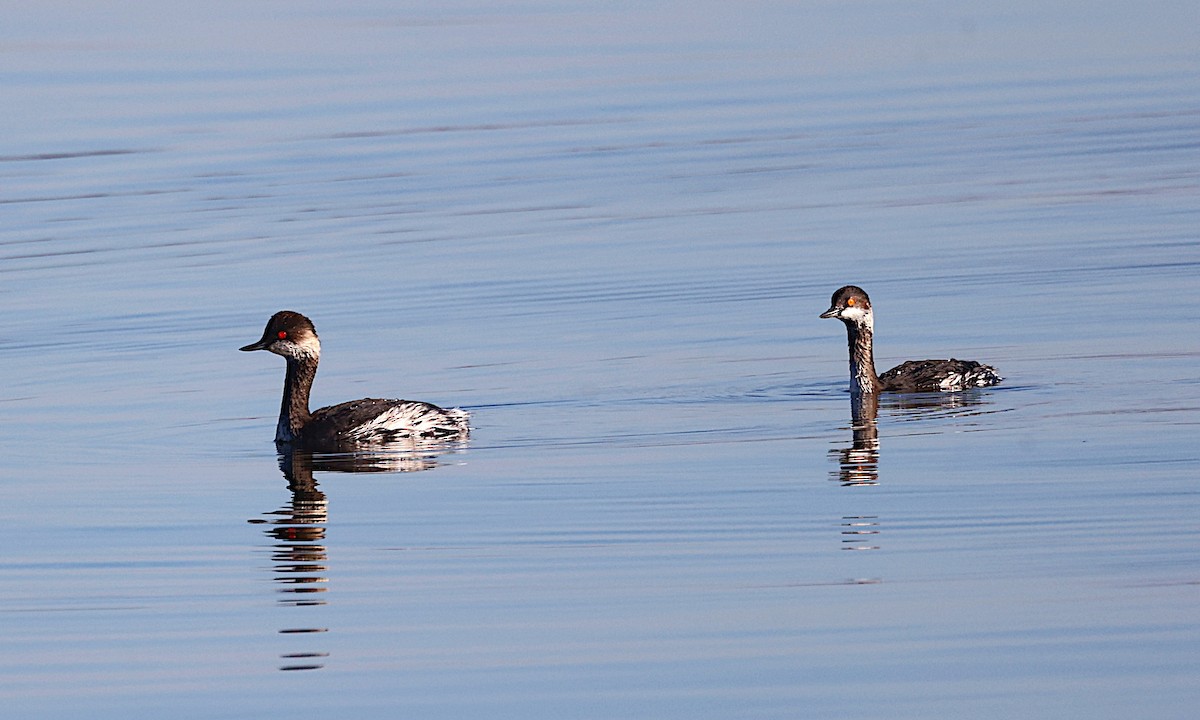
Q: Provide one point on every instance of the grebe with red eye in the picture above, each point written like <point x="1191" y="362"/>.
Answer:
<point x="358" y="423"/>
<point x="851" y="305"/>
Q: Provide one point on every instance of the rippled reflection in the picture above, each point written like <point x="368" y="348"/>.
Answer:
<point x="859" y="531"/>
<point x="910" y="407"/>
<point x="403" y="455"/>
<point x="299" y="531"/>
<point x="299" y="559"/>
<point x="858" y="464"/>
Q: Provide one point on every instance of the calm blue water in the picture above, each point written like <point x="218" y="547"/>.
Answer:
<point x="607" y="230"/>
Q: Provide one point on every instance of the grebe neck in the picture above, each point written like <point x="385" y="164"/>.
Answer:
<point x="862" y="357"/>
<point x="293" y="413"/>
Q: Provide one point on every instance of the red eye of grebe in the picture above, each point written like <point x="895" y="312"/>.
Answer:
<point x="283" y="334"/>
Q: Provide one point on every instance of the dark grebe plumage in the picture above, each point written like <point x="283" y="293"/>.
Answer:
<point x="367" y="422"/>
<point x="851" y="305"/>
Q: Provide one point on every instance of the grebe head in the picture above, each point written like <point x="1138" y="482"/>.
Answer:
<point x="851" y="305"/>
<point x="289" y="334"/>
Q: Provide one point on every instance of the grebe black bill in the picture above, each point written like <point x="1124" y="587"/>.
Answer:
<point x="851" y="305"/>
<point x="370" y="422"/>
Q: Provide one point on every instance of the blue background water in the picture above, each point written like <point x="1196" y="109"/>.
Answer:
<point x="607" y="229"/>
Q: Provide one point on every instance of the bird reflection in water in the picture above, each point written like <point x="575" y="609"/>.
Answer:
<point x="299" y="560"/>
<point x="858" y="464"/>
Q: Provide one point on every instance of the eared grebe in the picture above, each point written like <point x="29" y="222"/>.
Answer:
<point x="366" y="422"/>
<point x="852" y="306"/>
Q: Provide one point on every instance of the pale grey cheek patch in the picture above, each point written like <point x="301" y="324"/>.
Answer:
<point x="858" y="315"/>
<point x="308" y="348"/>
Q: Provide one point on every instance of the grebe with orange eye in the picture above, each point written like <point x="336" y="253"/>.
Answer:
<point x="851" y="305"/>
<point x="369" y="422"/>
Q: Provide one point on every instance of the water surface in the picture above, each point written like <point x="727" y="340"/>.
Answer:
<point x="607" y="230"/>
